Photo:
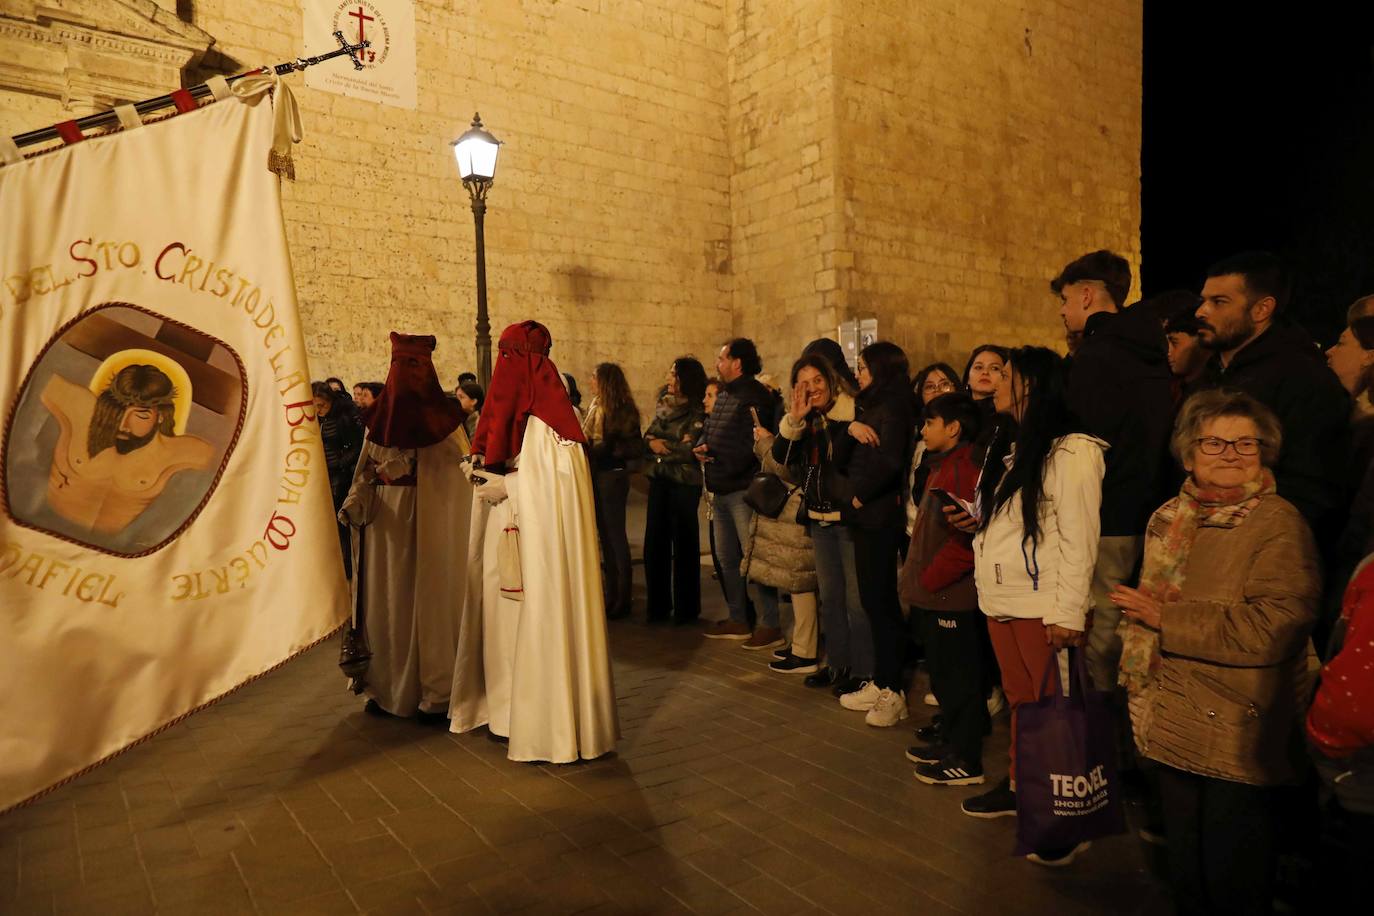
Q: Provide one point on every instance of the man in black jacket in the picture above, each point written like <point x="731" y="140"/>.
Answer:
<point x="1261" y="353"/>
<point x="1119" y="387"/>
<point x="726" y="450"/>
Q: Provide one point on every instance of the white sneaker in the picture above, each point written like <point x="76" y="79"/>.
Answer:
<point x="997" y="701"/>
<point x="929" y="700"/>
<point x="888" y="710"/>
<point x="861" y="699"/>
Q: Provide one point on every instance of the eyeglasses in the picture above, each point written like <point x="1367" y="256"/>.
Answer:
<point x="937" y="387"/>
<point x="1246" y="446"/>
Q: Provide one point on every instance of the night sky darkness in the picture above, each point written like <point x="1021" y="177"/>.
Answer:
<point x="1259" y="133"/>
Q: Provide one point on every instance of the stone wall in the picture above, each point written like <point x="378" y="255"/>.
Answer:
<point x="609" y="219"/>
<point x="786" y="215"/>
<point x="984" y="145"/>
<point x="676" y="171"/>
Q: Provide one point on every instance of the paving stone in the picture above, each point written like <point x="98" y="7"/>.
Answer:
<point x="734" y="790"/>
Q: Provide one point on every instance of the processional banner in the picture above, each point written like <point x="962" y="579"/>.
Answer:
<point x="167" y="531"/>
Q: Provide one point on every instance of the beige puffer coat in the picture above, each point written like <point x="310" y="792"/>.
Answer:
<point x="779" y="550"/>
<point x="1237" y="663"/>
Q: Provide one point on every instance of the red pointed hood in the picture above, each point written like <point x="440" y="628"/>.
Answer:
<point x="524" y="383"/>
<point x="412" y="411"/>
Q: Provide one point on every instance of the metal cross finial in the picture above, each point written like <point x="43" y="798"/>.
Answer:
<point x="352" y="49"/>
<point x="301" y="63"/>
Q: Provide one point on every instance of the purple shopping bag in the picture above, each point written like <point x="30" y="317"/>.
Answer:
<point x="1066" y="785"/>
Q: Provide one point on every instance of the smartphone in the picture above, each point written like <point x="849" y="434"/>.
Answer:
<point x="947" y="499"/>
<point x="753" y="412"/>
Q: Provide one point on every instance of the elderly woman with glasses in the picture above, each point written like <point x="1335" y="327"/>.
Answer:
<point x="1216" y="653"/>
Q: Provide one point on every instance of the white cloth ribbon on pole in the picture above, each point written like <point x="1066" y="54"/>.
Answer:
<point x="128" y="117"/>
<point x="286" y="123"/>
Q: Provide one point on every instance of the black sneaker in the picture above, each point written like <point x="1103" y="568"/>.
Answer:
<point x="1000" y="802"/>
<point x="949" y="772"/>
<point x="847" y="684"/>
<point x="1058" y="858"/>
<point x="927" y="753"/>
<point x="825" y="677"/>
<point x="794" y="664"/>
<point x="930" y="734"/>
<point x="782" y="653"/>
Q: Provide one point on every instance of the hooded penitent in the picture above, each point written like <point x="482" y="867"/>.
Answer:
<point x="524" y="383"/>
<point x="412" y="411"/>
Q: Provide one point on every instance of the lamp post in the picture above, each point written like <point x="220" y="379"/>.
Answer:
<point x="476" y="152"/>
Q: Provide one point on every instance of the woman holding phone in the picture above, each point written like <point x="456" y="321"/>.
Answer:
<point x="1036" y="547"/>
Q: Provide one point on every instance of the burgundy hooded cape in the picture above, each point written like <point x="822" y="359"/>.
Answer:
<point x="412" y="411"/>
<point x="524" y="383"/>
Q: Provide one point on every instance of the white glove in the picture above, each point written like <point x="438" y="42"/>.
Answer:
<point x="470" y="465"/>
<point x="398" y="466"/>
<point x="490" y="488"/>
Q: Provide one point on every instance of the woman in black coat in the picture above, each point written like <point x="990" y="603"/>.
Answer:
<point x="883" y="434"/>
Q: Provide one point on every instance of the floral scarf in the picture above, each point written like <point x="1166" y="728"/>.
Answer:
<point x="1166" y="561"/>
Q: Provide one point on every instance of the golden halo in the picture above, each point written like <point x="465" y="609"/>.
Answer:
<point x="181" y="382"/>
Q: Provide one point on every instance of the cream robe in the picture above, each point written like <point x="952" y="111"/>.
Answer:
<point x="538" y="670"/>
<point x="412" y="579"/>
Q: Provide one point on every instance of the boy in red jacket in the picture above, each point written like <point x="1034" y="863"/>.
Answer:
<point x="937" y="579"/>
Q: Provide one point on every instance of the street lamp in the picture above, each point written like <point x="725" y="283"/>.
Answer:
<point x="476" y="153"/>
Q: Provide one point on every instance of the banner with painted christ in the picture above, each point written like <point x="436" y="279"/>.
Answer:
<point x="166" y="529"/>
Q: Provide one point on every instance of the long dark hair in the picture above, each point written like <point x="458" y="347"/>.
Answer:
<point x="613" y="393"/>
<point x="1045" y="417"/>
<point x="833" y="353"/>
<point x="888" y="371"/>
<point x="825" y="368"/>
<point x="691" y="379"/>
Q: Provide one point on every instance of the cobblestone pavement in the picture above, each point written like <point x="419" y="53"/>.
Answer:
<point x="733" y="790"/>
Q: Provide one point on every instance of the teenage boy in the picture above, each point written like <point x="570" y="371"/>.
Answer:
<point x="937" y="579"/>
<point x="1118" y="385"/>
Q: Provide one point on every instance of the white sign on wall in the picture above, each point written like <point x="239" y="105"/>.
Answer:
<point x="388" y="74"/>
<point x="856" y="334"/>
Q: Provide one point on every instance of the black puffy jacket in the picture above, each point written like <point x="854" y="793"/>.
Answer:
<point x="728" y="434"/>
<point x="1119" y="387"/>
<point x="877" y="472"/>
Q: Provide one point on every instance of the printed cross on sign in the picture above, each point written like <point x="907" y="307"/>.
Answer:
<point x="363" y="18"/>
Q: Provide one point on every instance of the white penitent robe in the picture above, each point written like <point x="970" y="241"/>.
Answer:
<point x="538" y="670"/>
<point x="411" y="576"/>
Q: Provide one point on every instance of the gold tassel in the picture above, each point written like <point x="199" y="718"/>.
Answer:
<point x="281" y="164"/>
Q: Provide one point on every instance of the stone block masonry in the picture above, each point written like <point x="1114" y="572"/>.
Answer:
<point x="678" y="171"/>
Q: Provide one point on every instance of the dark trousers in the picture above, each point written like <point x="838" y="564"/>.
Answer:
<point x="338" y="491"/>
<point x="1222" y="843"/>
<point x="612" y="489"/>
<point x="875" y="564"/>
<point x="957" y="665"/>
<point x="672" y="551"/>
<point x="1347" y="849"/>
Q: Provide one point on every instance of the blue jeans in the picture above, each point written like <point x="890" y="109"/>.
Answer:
<point x="848" y="636"/>
<point x="731" y="521"/>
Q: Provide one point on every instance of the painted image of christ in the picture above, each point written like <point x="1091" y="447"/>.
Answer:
<point x="122" y="430"/>
<point x="118" y="449"/>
